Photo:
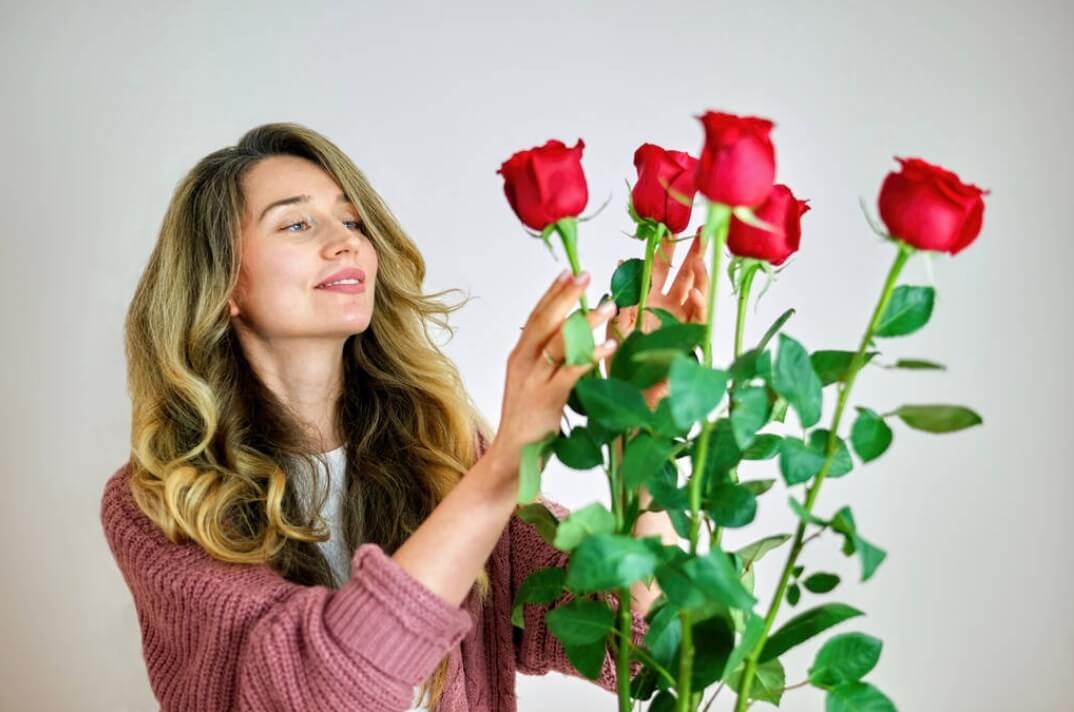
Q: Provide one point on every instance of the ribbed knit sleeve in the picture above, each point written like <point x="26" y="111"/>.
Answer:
<point x="220" y="636"/>
<point x="536" y="650"/>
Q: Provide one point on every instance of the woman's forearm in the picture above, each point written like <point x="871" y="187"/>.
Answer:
<point x="448" y="550"/>
<point x="650" y="524"/>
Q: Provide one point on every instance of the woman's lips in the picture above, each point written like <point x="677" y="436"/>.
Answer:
<point x="345" y="288"/>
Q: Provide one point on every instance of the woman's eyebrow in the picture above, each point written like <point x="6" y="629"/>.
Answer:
<point x="341" y="198"/>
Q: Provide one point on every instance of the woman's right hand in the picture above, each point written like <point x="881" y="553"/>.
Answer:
<point x="536" y="390"/>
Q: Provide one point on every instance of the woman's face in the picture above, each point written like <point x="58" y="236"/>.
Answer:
<point x="297" y="231"/>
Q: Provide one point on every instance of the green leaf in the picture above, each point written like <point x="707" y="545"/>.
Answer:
<point x="841" y="463"/>
<point x="645" y="372"/>
<point x="769" y="680"/>
<point x="643" y="456"/>
<point x="779" y="409"/>
<point x="731" y="505"/>
<point x="804" y="626"/>
<point x="663" y="424"/>
<point x="870" y="435"/>
<point x="795" y="380"/>
<point x="832" y="365"/>
<point x="714" y="640"/>
<point x="578" y="451"/>
<point x="614" y="404"/>
<point x="665" y="490"/>
<point x="857" y="697"/>
<point x="820" y="582"/>
<point x="845" y="658"/>
<point x="531" y="464"/>
<point x="749" y="413"/>
<point x="665" y="701"/>
<point x="626" y="282"/>
<point x="694" y="581"/>
<point x="578" y="340"/>
<point x="797" y="461"/>
<point x="582" y="626"/>
<point x="722" y="455"/>
<point x="776" y="326"/>
<point x="538" y="516"/>
<point x="763" y="447"/>
<point x="938" y="418"/>
<point x="542" y="586"/>
<point x="751" y="633"/>
<point x="753" y="552"/>
<point x="745" y="366"/>
<point x="694" y="390"/>
<point x="871" y="556"/>
<point x="664" y="635"/>
<point x="580" y="621"/>
<point x="608" y="561"/>
<point x="907" y="311"/>
<point x="758" y="487"/>
<point x="794" y="592"/>
<point x="581" y="524"/>
<point x="919" y="364"/>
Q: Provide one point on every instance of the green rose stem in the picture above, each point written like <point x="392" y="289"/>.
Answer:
<point x="716" y="223"/>
<point x="568" y="230"/>
<point x="740" y="327"/>
<point x="904" y="253"/>
<point x="619" y="502"/>
<point x="647" y="272"/>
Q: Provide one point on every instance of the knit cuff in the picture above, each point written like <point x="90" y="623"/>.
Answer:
<point x="392" y="619"/>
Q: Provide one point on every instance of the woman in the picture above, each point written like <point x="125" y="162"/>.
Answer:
<point x="279" y="331"/>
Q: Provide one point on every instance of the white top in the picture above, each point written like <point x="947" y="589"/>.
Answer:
<point x="339" y="558"/>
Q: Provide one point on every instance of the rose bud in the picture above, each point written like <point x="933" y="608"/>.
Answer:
<point x="546" y="183"/>
<point x="928" y="207"/>
<point x="781" y="210"/>
<point x="738" y="163"/>
<point x="659" y="170"/>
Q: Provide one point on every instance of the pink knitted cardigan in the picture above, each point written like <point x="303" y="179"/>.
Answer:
<point x="222" y="636"/>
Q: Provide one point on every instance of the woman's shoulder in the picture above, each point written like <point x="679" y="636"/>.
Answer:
<point x="145" y="555"/>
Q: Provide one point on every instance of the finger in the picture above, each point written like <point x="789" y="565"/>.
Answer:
<point x="697" y="306"/>
<point x="549" y="314"/>
<point x="684" y="280"/>
<point x="556" y="346"/>
<point x="701" y="276"/>
<point x="558" y="285"/>
<point x="662" y="263"/>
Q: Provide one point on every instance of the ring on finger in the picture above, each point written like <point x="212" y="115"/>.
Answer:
<point x="548" y="357"/>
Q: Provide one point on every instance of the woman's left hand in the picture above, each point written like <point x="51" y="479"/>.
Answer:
<point x="687" y="300"/>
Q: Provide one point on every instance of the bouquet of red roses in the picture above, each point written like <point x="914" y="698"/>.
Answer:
<point x="661" y="401"/>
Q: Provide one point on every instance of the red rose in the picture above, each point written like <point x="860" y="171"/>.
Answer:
<point x="930" y="208"/>
<point x="738" y="163"/>
<point x="546" y="183"/>
<point x="658" y="168"/>
<point x="781" y="210"/>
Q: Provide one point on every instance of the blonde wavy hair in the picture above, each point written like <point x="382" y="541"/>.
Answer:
<point x="209" y="439"/>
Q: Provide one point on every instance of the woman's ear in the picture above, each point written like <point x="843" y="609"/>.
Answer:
<point x="232" y="307"/>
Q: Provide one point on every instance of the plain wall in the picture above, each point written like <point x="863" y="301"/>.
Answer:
<point x="107" y="105"/>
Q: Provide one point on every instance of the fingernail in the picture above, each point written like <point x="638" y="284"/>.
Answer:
<point x="611" y="344"/>
<point x="607" y="307"/>
<point x="581" y="277"/>
<point x="563" y="276"/>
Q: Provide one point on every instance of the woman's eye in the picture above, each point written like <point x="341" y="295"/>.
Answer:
<point x="356" y="223"/>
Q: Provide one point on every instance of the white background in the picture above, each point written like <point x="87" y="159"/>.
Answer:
<point x="107" y="104"/>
